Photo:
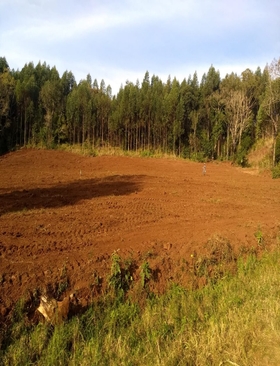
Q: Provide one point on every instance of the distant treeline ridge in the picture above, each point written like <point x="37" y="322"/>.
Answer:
<point x="214" y="118"/>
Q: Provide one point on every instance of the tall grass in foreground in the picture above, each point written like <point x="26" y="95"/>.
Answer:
<point x="235" y="321"/>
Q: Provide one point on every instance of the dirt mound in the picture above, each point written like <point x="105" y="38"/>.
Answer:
<point x="63" y="215"/>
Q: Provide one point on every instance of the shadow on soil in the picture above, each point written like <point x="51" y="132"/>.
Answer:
<point x="69" y="193"/>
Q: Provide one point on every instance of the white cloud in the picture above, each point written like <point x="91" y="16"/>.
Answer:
<point x="120" y="40"/>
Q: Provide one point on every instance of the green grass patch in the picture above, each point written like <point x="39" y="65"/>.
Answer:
<point x="276" y="172"/>
<point x="232" y="321"/>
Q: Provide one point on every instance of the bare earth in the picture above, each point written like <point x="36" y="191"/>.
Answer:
<point x="65" y="212"/>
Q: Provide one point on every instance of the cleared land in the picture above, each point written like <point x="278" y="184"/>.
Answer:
<point x="65" y="214"/>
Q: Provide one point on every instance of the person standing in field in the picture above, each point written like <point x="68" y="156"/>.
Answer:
<point x="204" y="169"/>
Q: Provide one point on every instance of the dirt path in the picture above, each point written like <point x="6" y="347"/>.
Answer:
<point x="60" y="210"/>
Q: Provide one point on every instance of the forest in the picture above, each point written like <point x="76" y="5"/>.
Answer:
<point x="214" y="118"/>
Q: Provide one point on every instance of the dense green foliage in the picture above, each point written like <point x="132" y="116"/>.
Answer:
<point x="276" y="171"/>
<point x="214" y="118"/>
<point x="232" y="321"/>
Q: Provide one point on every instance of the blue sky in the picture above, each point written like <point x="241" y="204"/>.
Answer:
<point x="119" y="40"/>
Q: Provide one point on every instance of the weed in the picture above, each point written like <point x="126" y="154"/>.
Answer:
<point x="63" y="283"/>
<point x="96" y="279"/>
<point x="233" y="321"/>
<point x="121" y="276"/>
<point x="145" y="274"/>
<point x="201" y="267"/>
<point x="146" y="153"/>
<point x="259" y="237"/>
<point x="149" y="254"/>
<point x="220" y="250"/>
<point x="115" y="279"/>
<point x="246" y="267"/>
<point x="129" y="267"/>
<point x="62" y="287"/>
<point x="19" y="310"/>
<point x="276" y="171"/>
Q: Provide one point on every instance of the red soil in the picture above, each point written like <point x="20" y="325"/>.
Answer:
<point x="65" y="212"/>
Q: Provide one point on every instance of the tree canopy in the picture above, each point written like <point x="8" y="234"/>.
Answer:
<point x="213" y="118"/>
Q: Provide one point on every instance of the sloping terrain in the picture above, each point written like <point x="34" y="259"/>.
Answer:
<point x="63" y="215"/>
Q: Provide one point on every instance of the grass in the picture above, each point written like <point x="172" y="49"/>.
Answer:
<point x="232" y="321"/>
<point x="88" y="150"/>
<point x="276" y="171"/>
<point x="260" y="155"/>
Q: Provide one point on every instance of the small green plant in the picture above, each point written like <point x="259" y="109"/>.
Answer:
<point x="149" y="254"/>
<point x="145" y="274"/>
<point x="201" y="267"/>
<point x="18" y="313"/>
<point x="115" y="278"/>
<point x="96" y="279"/>
<point x="146" y="153"/>
<point x="179" y="327"/>
<point x="129" y="265"/>
<point x="63" y="283"/>
<point x="120" y="278"/>
<point x="62" y="287"/>
<point x="259" y="236"/>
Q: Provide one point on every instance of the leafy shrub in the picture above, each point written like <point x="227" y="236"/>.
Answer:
<point x="259" y="236"/>
<point x="185" y="153"/>
<point x="276" y="171"/>
<point x="115" y="279"/>
<point x="145" y="274"/>
<point x="120" y="278"/>
<point x="242" y="160"/>
<point x="146" y="153"/>
<point x="241" y="157"/>
<point x="199" y="157"/>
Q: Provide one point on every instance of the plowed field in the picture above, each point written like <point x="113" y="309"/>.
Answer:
<point x="61" y="212"/>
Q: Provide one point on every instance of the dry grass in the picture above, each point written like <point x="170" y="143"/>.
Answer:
<point x="261" y="154"/>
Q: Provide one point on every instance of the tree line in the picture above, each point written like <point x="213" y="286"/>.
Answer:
<point x="213" y="118"/>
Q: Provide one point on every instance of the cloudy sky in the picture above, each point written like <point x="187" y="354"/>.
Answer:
<point x="119" y="40"/>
